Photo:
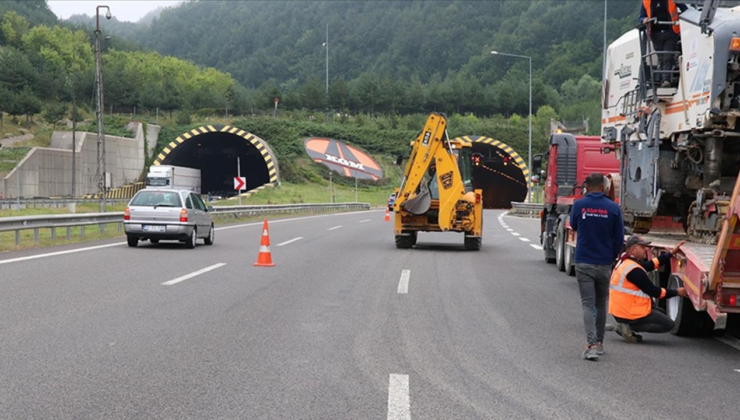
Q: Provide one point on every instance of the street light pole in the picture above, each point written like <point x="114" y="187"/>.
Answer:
<point x="99" y="108"/>
<point x="327" y="61"/>
<point x="529" y="153"/>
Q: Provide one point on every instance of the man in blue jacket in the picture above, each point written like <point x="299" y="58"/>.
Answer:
<point x="599" y="228"/>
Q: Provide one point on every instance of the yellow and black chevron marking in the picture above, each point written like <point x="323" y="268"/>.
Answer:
<point x="251" y="138"/>
<point x="126" y="191"/>
<point x="503" y="146"/>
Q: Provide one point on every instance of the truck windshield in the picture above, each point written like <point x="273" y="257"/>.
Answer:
<point x="463" y="160"/>
<point x="157" y="182"/>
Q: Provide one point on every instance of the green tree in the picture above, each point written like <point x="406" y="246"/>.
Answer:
<point x="13" y="27"/>
<point x="54" y="112"/>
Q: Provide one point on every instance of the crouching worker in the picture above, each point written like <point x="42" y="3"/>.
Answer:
<point x="631" y="292"/>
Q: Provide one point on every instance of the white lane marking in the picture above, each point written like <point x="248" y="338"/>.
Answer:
<point x="514" y="233"/>
<point x="399" y="407"/>
<point x="737" y="370"/>
<point x="365" y="221"/>
<point x="505" y="226"/>
<point x="730" y="341"/>
<point x="290" y="241"/>
<point x="335" y="227"/>
<point x="53" y="254"/>
<point x="524" y="239"/>
<point x="539" y="247"/>
<point x="293" y="219"/>
<point x="403" y="283"/>
<point x="193" y="274"/>
<point x="509" y="230"/>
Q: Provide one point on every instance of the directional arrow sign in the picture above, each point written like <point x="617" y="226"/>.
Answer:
<point x="240" y="183"/>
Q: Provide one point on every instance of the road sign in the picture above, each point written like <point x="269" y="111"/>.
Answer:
<point x="240" y="183"/>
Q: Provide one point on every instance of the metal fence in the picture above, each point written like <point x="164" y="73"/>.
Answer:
<point x="526" y="209"/>
<point x="69" y="221"/>
<point x="11" y="204"/>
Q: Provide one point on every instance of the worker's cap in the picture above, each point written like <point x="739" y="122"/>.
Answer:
<point x="636" y="240"/>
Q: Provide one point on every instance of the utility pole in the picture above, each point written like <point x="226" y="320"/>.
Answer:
<point x="327" y="60"/>
<point x="239" y="175"/>
<point x="101" y="171"/>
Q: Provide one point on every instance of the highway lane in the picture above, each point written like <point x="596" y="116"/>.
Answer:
<point x="326" y="333"/>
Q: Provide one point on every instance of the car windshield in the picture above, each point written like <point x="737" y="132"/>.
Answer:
<point x="157" y="199"/>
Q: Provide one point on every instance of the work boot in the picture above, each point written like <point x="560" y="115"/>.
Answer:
<point x="610" y="327"/>
<point x="626" y="333"/>
<point x="599" y="348"/>
<point x="590" y="353"/>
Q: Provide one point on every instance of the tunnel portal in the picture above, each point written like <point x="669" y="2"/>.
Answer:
<point x="214" y="150"/>
<point x="502" y="174"/>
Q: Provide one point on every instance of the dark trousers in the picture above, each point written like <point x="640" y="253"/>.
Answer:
<point x="655" y="322"/>
<point x="665" y="42"/>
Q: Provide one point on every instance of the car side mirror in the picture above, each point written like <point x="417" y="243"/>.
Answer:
<point x="209" y="208"/>
<point x="536" y="163"/>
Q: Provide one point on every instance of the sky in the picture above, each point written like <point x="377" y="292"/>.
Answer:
<point x="123" y="10"/>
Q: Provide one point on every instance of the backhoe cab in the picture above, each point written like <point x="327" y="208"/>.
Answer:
<point x="436" y="194"/>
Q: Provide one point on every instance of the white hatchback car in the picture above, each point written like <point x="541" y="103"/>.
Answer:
<point x="156" y="214"/>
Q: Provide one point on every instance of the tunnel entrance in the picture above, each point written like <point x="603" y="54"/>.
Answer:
<point x="214" y="150"/>
<point x="501" y="173"/>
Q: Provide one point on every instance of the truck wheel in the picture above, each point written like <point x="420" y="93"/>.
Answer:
<point x="473" y="244"/>
<point x="654" y="277"/>
<point x="405" y="241"/>
<point x="559" y="245"/>
<point x="545" y="240"/>
<point x="132" y="241"/>
<point x="681" y="311"/>
<point x="569" y="263"/>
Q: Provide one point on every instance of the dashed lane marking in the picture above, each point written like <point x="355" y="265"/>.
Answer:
<point x="399" y="407"/>
<point x="730" y="341"/>
<point x="290" y="241"/>
<point x="193" y="274"/>
<point x="538" y="247"/>
<point x="509" y="230"/>
<point x="514" y="233"/>
<point x="524" y="239"/>
<point x="365" y="221"/>
<point x="335" y="227"/>
<point x="403" y="283"/>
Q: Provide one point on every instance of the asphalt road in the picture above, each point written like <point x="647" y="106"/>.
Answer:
<point x="345" y="326"/>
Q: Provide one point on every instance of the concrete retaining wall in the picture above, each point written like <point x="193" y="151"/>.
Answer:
<point x="47" y="172"/>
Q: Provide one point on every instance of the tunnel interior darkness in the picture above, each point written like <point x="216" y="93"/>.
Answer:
<point x="215" y="154"/>
<point x="500" y="178"/>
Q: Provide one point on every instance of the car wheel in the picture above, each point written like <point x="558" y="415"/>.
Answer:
<point x="193" y="237"/>
<point x="154" y="241"/>
<point x="211" y="236"/>
<point x="132" y="241"/>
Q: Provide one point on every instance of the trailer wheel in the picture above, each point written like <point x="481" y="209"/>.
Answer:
<point x="681" y="311"/>
<point x="559" y="245"/>
<point x="569" y="260"/>
<point x="473" y="244"/>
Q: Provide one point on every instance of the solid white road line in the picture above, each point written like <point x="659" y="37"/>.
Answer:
<point x="524" y="239"/>
<point x="365" y="221"/>
<point x="193" y="274"/>
<point x="539" y="247"/>
<point x="335" y="227"/>
<point x="730" y="341"/>
<point x="53" y="254"/>
<point x="399" y="407"/>
<point x="403" y="284"/>
<point x="290" y="241"/>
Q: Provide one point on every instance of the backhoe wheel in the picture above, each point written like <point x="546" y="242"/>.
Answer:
<point x="559" y="245"/>
<point x="682" y="312"/>
<point x="406" y="240"/>
<point x="473" y="243"/>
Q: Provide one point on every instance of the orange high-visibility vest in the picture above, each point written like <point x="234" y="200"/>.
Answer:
<point x="626" y="300"/>
<point x="672" y="10"/>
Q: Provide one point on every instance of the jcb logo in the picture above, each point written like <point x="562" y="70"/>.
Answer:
<point x="345" y="162"/>
<point x="427" y="135"/>
<point x="446" y="179"/>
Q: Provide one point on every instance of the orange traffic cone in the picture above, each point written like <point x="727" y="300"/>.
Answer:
<point x="264" y="259"/>
<point x="387" y="217"/>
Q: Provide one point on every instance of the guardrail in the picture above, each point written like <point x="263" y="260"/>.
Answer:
<point x="38" y="203"/>
<point x="526" y="209"/>
<point x="60" y="221"/>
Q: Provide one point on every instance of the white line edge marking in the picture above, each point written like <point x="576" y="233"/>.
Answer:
<point x="92" y="248"/>
<point x="730" y="341"/>
<point x="403" y="283"/>
<point x="193" y="274"/>
<point x="290" y="241"/>
<point x="399" y="407"/>
<point x="539" y="247"/>
<point x="524" y="239"/>
<point x="335" y="227"/>
<point x="52" y="254"/>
